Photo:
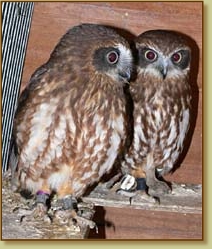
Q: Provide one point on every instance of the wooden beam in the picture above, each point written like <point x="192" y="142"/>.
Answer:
<point x="185" y="198"/>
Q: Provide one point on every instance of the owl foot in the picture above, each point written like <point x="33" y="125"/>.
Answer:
<point x="38" y="211"/>
<point x="69" y="213"/>
<point x="155" y="186"/>
<point x="158" y="188"/>
<point x="70" y="217"/>
<point x="135" y="189"/>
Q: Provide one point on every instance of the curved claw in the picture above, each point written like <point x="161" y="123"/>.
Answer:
<point x="70" y="217"/>
<point x="66" y="212"/>
<point x="38" y="212"/>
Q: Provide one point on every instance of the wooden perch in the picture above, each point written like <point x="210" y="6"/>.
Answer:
<point x="185" y="198"/>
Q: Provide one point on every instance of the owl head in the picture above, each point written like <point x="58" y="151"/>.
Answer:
<point x="92" y="49"/>
<point x="163" y="54"/>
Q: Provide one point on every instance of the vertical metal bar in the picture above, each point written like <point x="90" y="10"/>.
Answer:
<point x="16" y="22"/>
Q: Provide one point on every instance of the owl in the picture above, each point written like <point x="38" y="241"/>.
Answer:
<point x="162" y="103"/>
<point x="70" y="124"/>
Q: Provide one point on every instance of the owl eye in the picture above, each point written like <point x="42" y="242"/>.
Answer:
<point x="150" y="55"/>
<point x="112" y="57"/>
<point x="177" y="57"/>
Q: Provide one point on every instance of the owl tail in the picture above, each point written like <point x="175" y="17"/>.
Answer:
<point x="13" y="163"/>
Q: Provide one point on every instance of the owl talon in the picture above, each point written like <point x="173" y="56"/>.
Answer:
<point x="70" y="217"/>
<point x="39" y="212"/>
<point x="81" y="221"/>
<point x="69" y="213"/>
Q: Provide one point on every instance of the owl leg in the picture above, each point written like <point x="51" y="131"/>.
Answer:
<point x="68" y="211"/>
<point x="69" y="214"/>
<point x="135" y="188"/>
<point x="155" y="186"/>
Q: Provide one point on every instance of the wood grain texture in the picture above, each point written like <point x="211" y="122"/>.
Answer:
<point x="127" y="223"/>
<point x="51" y="20"/>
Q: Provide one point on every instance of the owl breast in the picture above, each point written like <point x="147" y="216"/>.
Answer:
<point x="159" y="129"/>
<point x="74" y="145"/>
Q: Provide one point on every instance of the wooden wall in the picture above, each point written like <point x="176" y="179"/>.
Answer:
<point x="52" y="20"/>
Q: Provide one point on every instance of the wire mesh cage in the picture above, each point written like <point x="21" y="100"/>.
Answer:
<point x="16" y="22"/>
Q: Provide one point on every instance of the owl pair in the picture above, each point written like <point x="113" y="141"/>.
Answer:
<point x="72" y="122"/>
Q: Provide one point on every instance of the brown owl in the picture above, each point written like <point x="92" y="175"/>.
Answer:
<point x="161" y="96"/>
<point x="70" y="123"/>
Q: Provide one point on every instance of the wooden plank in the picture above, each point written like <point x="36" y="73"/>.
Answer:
<point x="178" y="216"/>
<point x="184" y="198"/>
<point x="52" y="20"/>
<point x="129" y="223"/>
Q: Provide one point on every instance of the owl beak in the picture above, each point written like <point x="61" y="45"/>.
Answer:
<point x="164" y="70"/>
<point x="125" y="74"/>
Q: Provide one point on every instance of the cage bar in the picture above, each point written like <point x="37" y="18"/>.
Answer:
<point x="16" y="22"/>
